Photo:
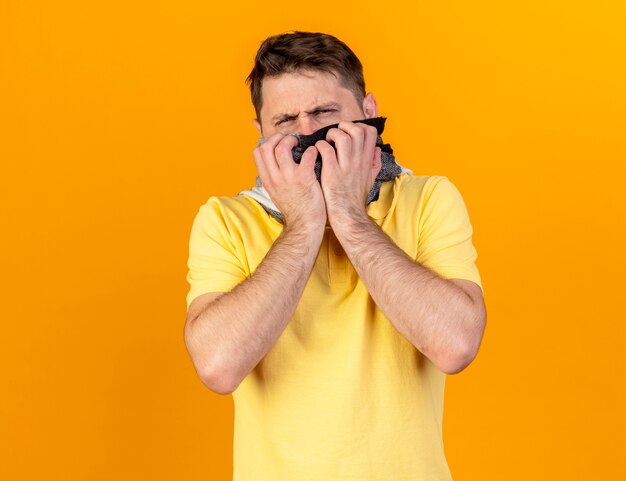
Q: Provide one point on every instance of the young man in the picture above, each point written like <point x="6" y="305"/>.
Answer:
<point x="333" y="301"/>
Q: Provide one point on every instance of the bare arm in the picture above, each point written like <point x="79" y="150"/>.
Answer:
<point x="442" y="318"/>
<point x="228" y="334"/>
<point x="231" y="334"/>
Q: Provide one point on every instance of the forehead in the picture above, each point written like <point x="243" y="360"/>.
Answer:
<point x="292" y="92"/>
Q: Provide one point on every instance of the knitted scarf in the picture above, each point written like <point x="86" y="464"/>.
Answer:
<point x="390" y="169"/>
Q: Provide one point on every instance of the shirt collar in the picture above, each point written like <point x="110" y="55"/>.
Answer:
<point x="379" y="209"/>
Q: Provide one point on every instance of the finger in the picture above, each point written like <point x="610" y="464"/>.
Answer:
<point x="283" y="152"/>
<point x="329" y="157"/>
<point x="267" y="150"/>
<point x="360" y="133"/>
<point x="307" y="163"/>
<point x="342" y="140"/>
<point x="261" y="168"/>
<point x="356" y="133"/>
<point x="370" y="135"/>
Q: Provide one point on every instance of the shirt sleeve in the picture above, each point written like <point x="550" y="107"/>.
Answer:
<point x="445" y="233"/>
<point x="214" y="265"/>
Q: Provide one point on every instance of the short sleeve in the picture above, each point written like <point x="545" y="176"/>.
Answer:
<point x="445" y="232"/>
<point x="214" y="265"/>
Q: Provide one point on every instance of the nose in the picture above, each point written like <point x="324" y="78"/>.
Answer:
<point x="307" y="125"/>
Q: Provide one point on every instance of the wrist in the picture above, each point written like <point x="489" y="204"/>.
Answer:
<point x="304" y="231"/>
<point x="348" y="220"/>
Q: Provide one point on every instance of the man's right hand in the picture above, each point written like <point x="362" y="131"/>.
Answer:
<point x="293" y="188"/>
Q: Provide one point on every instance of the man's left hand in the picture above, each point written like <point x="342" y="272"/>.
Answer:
<point x="349" y="173"/>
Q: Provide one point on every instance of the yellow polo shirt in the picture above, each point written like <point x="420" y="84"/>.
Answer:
<point x="342" y="395"/>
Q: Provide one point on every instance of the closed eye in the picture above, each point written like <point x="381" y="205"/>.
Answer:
<point x="324" y="111"/>
<point x="315" y="112"/>
<point x="286" y="119"/>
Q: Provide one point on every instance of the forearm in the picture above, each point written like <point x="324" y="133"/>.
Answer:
<point x="236" y="331"/>
<point x="434" y="314"/>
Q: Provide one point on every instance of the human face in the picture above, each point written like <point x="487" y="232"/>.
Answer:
<point x="305" y="101"/>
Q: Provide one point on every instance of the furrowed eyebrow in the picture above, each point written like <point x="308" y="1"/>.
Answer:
<point x="323" y="107"/>
<point x="279" y="117"/>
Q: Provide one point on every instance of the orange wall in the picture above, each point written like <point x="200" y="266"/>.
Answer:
<point x="119" y="119"/>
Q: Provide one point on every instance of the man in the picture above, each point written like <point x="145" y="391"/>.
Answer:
<point x="331" y="312"/>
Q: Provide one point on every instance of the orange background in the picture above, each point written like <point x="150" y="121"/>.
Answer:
<point x="119" y="119"/>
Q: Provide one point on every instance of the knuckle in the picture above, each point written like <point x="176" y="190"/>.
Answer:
<point x="276" y="137"/>
<point x="288" y="139"/>
<point x="279" y="149"/>
<point x="283" y="151"/>
<point x="265" y="148"/>
<point x="322" y="145"/>
<point x="286" y="144"/>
